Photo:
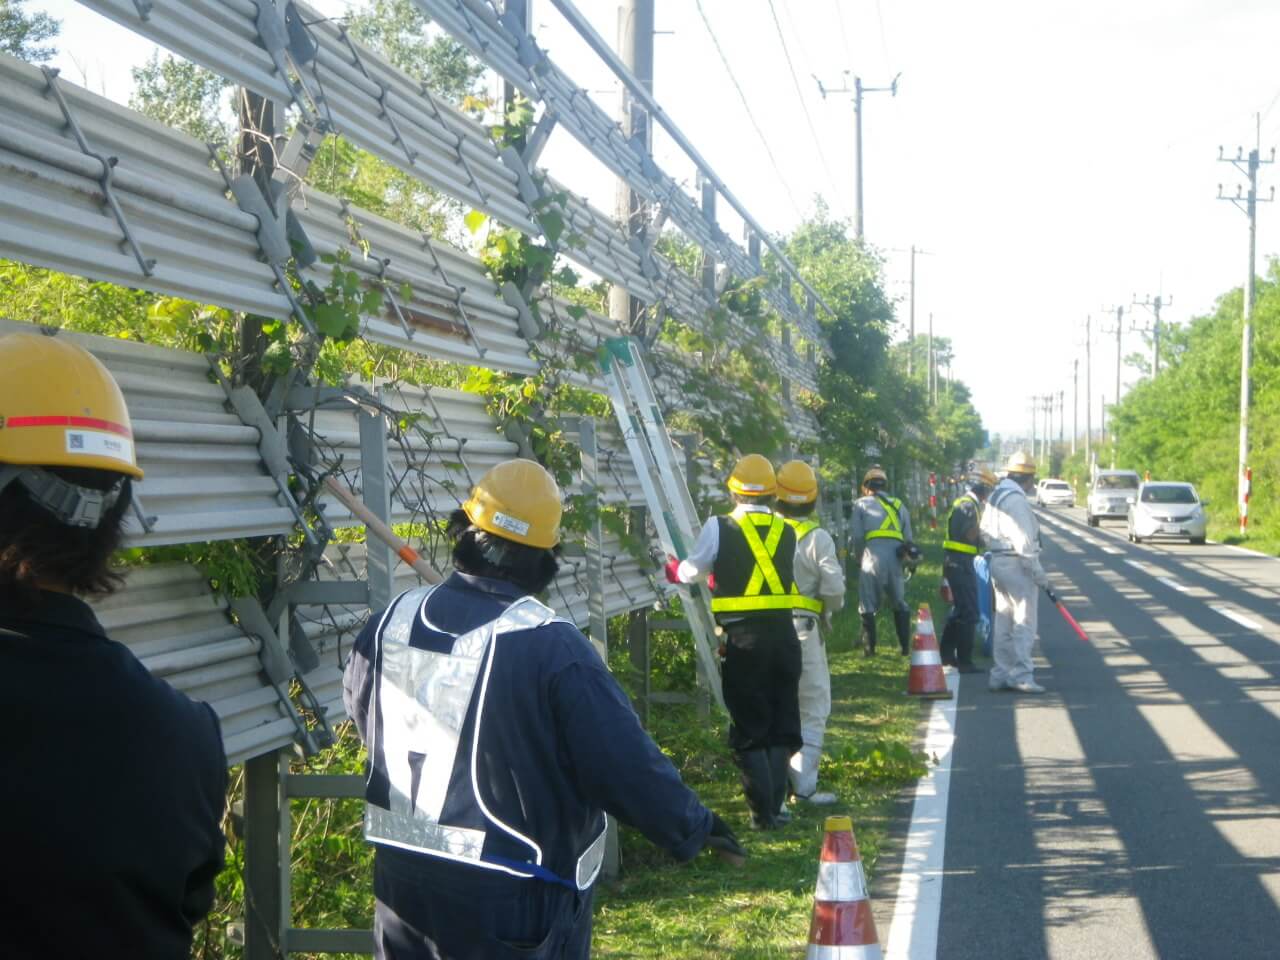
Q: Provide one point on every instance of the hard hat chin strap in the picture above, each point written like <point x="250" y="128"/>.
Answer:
<point x="70" y="504"/>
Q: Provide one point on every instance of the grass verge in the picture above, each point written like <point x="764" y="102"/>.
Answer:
<point x="705" y="908"/>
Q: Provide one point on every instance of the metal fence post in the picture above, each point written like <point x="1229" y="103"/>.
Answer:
<point x="266" y="859"/>
<point x="638" y="635"/>
<point x="598" y="623"/>
<point x="375" y="490"/>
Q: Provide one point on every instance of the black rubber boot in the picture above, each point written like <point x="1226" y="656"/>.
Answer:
<point x="868" y="634"/>
<point x="757" y="787"/>
<point x="947" y="644"/>
<point x="964" y="648"/>
<point x="779" y="763"/>
<point x="902" y="622"/>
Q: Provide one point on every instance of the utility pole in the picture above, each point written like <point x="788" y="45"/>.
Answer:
<point x="1062" y="414"/>
<point x="1075" y="403"/>
<point x="635" y="47"/>
<point x="1088" y="390"/>
<point x="911" y="321"/>
<point x="1119" y="332"/>
<point x="1154" y="306"/>
<point x="858" y="90"/>
<point x="1249" y="204"/>
<point x="931" y="372"/>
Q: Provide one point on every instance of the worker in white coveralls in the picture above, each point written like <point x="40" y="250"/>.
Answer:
<point x="1011" y="532"/>
<point x="819" y="579"/>
<point x="497" y="741"/>
<point x="880" y="534"/>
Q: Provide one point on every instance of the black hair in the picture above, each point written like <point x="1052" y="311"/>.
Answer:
<point x="875" y="483"/>
<point x="482" y="554"/>
<point x="760" y="500"/>
<point x="37" y="550"/>
<point x="796" y="509"/>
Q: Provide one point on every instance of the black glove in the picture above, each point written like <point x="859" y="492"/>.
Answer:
<point x="724" y="843"/>
<point x="1053" y="597"/>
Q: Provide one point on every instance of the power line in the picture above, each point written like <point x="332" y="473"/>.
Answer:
<point x="884" y="44"/>
<point x="747" y="107"/>
<point x="813" y="132"/>
<point x="844" y="36"/>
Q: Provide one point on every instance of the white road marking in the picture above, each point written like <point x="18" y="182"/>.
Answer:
<point x="1239" y="618"/>
<point x="913" y="932"/>
<point x="1135" y="563"/>
<point x="1170" y="582"/>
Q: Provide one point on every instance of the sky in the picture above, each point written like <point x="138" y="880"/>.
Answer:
<point x="1055" y="160"/>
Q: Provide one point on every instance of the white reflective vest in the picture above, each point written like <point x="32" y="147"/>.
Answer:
<point x="419" y="705"/>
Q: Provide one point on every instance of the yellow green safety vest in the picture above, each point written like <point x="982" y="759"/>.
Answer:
<point x="891" y="529"/>
<point x="803" y="528"/>
<point x="762" y="552"/>
<point x="955" y="545"/>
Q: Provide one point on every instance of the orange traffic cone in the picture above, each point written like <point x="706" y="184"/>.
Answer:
<point x="925" y="678"/>
<point x="842" y="925"/>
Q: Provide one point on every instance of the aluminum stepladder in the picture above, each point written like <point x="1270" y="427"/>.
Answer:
<point x="665" y="489"/>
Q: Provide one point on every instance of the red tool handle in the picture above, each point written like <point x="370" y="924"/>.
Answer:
<point x="1066" y="615"/>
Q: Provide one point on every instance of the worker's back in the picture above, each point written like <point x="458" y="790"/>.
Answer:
<point x="111" y="803"/>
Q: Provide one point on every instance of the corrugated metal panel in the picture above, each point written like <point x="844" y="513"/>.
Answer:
<point x="171" y="620"/>
<point x="204" y="477"/>
<point x="518" y="59"/>
<point x="365" y="99"/>
<point x="52" y="211"/>
<point x="456" y="312"/>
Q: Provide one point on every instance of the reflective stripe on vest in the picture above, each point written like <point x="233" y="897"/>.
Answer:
<point x="420" y="701"/>
<point x="955" y="545"/>
<point x="799" y="601"/>
<point x="891" y="528"/>
<point x="765" y="572"/>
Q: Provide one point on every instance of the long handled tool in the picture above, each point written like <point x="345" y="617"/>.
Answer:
<point x="1066" y="615"/>
<point x="383" y="532"/>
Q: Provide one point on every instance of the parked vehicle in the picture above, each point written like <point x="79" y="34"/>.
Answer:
<point x="1166" y="510"/>
<point x="1055" y="493"/>
<point x="1110" y="495"/>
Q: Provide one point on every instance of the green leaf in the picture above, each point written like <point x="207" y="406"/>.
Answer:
<point x="331" y="320"/>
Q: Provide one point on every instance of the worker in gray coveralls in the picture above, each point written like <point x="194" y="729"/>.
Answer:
<point x="880" y="531"/>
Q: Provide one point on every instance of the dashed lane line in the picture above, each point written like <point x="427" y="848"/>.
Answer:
<point x="1239" y="618"/>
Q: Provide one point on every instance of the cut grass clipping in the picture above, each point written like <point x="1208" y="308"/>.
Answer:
<point x="657" y="908"/>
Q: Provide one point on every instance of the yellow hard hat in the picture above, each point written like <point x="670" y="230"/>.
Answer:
<point x="875" y="473"/>
<point x="753" y="477"/>
<point x="517" y="500"/>
<point x="60" y="407"/>
<point x="797" y="483"/>
<point x="1020" y="462"/>
<point x="984" y="477"/>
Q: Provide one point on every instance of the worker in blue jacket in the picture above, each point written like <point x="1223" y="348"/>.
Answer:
<point x="497" y="741"/>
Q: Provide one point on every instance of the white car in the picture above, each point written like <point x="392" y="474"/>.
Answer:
<point x="1166" y="510"/>
<point x="1111" y="494"/>
<point x="1055" y="493"/>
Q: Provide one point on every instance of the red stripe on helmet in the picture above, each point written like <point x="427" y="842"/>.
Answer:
<point x="91" y="423"/>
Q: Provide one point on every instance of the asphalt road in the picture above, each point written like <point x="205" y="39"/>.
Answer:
<point x="1134" y="809"/>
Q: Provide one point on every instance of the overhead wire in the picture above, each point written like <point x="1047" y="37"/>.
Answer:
<point x="813" y="132"/>
<point x="884" y="43"/>
<point x="844" y="35"/>
<point x="747" y="107"/>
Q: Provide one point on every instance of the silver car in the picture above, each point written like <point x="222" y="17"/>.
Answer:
<point x="1055" y="493"/>
<point x="1166" y="510"/>
<point x="1111" y="494"/>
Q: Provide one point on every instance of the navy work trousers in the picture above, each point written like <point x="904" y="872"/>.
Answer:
<point x="956" y="644"/>
<point x="444" y="911"/>
<point x="761" y="679"/>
